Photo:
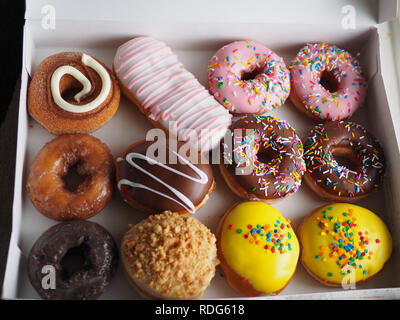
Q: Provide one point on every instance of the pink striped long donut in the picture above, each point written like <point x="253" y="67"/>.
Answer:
<point x="151" y="76"/>
<point x="327" y="82"/>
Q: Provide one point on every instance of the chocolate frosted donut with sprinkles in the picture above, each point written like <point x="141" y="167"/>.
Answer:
<point x="327" y="82"/>
<point x="263" y="160"/>
<point x="248" y="78"/>
<point x="344" y="161"/>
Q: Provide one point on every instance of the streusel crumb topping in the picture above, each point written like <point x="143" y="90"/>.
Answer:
<point x="174" y="255"/>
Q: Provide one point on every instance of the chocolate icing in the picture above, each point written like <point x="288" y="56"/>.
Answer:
<point x="276" y="161"/>
<point x="365" y="165"/>
<point x="193" y="190"/>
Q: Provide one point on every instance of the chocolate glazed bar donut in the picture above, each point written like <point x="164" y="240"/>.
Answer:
<point x="153" y="185"/>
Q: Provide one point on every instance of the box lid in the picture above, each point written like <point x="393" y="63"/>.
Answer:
<point x="355" y="12"/>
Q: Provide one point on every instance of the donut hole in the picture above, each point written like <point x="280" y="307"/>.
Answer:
<point x="267" y="156"/>
<point x="74" y="260"/>
<point x="329" y="81"/>
<point x="249" y="75"/>
<point x="346" y="157"/>
<point x="73" y="177"/>
<point x="69" y="87"/>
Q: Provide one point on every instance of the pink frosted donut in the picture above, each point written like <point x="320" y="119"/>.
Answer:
<point x="327" y="82"/>
<point x="248" y="78"/>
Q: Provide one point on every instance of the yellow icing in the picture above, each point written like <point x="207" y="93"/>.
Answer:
<point x="248" y="256"/>
<point x="362" y="240"/>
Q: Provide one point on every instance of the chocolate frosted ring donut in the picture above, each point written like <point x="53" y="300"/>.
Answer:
<point x="267" y="162"/>
<point x="72" y="260"/>
<point x="72" y="92"/>
<point x="344" y="161"/>
<point x="48" y="190"/>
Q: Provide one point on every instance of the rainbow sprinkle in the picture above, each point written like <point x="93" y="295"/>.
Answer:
<point x="268" y="135"/>
<point x="348" y="245"/>
<point x="274" y="238"/>
<point x="337" y="179"/>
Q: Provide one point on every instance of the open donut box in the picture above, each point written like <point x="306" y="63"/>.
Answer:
<point x="195" y="31"/>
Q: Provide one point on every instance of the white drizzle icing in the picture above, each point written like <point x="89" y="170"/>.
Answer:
<point x="63" y="70"/>
<point x="182" y="199"/>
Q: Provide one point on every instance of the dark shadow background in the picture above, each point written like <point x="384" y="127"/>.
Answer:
<point x="11" y="26"/>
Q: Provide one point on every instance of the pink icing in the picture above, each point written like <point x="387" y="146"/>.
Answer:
<point x="305" y="71"/>
<point x="153" y="74"/>
<point x="267" y="90"/>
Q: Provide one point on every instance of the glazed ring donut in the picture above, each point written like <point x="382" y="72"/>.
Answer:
<point x="344" y="161"/>
<point x="46" y="187"/>
<point x="258" y="249"/>
<point x="72" y="92"/>
<point x="343" y="244"/>
<point x="81" y="256"/>
<point x="153" y="185"/>
<point x="248" y="78"/>
<point x="327" y="82"/>
<point x="267" y="162"/>
<point x="169" y="256"/>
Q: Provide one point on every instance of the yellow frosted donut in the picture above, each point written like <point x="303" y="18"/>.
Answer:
<point x="258" y="248"/>
<point x="343" y="244"/>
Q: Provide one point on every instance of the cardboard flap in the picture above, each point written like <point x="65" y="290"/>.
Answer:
<point x="388" y="10"/>
<point x="363" y="12"/>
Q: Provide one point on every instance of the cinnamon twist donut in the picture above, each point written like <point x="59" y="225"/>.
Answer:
<point x="72" y="92"/>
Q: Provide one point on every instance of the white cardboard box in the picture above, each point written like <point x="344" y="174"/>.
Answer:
<point x="195" y="30"/>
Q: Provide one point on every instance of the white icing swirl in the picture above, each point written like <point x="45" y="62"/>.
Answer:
<point x="79" y="76"/>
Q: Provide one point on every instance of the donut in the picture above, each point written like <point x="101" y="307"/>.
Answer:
<point x="72" y="260"/>
<point x="48" y="190"/>
<point x="344" y="161"/>
<point x="155" y="185"/>
<point x="248" y="78"/>
<point x="257" y="248"/>
<point x="327" y="82"/>
<point x="169" y="256"/>
<point x="72" y="92"/>
<point x="343" y="244"/>
<point x="172" y="99"/>
<point x="263" y="160"/>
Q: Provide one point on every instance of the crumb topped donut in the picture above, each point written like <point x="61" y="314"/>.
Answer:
<point x="344" y="244"/>
<point x="344" y="161"/>
<point x="327" y="82"/>
<point x="169" y="256"/>
<point x="263" y="160"/>
<point x="72" y="92"/>
<point x="248" y="78"/>
<point x="258" y="249"/>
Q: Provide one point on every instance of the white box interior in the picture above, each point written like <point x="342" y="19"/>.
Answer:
<point x="195" y="43"/>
